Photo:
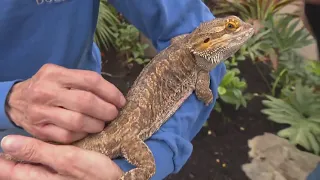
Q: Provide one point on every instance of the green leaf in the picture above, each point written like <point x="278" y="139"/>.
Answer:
<point x="227" y="78"/>
<point x="237" y="93"/>
<point x="221" y="90"/>
<point x="217" y="107"/>
<point x="313" y="142"/>
<point x="299" y="108"/>
<point x="139" y="60"/>
<point x="229" y="98"/>
<point x="135" y="54"/>
<point x="241" y="57"/>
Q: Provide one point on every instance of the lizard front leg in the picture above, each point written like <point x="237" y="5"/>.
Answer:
<point x="138" y="154"/>
<point x="203" y="91"/>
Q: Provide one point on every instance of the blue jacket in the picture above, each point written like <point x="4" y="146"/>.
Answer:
<point x="35" y="32"/>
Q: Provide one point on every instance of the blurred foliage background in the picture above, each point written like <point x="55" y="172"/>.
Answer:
<point x="293" y="98"/>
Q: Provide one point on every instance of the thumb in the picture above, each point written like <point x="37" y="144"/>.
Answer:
<point x="11" y="143"/>
<point x="35" y="151"/>
<point x="25" y="148"/>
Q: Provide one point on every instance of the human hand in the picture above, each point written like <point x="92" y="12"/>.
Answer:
<point x="54" y="162"/>
<point x="63" y="105"/>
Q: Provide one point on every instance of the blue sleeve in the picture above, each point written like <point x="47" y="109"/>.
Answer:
<point x="315" y="174"/>
<point x="160" y="20"/>
<point x="5" y="87"/>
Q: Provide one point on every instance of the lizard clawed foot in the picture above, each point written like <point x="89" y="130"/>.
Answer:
<point x="208" y="101"/>
<point x="205" y="96"/>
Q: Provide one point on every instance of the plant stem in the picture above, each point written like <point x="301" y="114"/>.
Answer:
<point x="277" y="81"/>
<point x="264" y="78"/>
<point x="113" y="76"/>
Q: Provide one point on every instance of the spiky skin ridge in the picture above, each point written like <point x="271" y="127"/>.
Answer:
<point x="160" y="89"/>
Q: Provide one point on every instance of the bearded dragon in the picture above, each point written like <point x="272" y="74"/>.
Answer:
<point x="161" y="88"/>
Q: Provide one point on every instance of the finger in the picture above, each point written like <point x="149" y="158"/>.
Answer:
<point x="54" y="133"/>
<point x="62" y="159"/>
<point x="66" y="160"/>
<point x="6" y="168"/>
<point x="69" y="120"/>
<point x="28" y="149"/>
<point x="72" y="121"/>
<point x="91" y="81"/>
<point x="87" y="103"/>
<point x="16" y="171"/>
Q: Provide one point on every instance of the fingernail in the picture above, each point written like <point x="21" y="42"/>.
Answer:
<point x="122" y="101"/>
<point x="10" y="144"/>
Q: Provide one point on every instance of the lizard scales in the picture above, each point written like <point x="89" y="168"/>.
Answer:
<point x="162" y="86"/>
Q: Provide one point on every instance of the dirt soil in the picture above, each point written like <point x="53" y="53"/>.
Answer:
<point x="217" y="156"/>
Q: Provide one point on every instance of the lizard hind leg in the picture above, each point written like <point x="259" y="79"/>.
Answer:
<point x="138" y="154"/>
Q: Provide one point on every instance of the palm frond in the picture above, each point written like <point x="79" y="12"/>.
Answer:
<point x="106" y="30"/>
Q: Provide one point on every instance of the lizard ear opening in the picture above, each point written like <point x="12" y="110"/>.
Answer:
<point x="206" y="40"/>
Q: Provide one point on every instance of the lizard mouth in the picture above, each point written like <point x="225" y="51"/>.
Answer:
<point x="243" y="36"/>
<point x="227" y="49"/>
<point x="221" y="50"/>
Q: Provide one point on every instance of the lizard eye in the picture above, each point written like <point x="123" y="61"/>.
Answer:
<point x="206" y="40"/>
<point x="231" y="26"/>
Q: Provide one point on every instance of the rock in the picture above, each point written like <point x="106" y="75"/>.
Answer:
<point x="274" y="158"/>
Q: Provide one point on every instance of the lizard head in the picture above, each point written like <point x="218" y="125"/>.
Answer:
<point x="219" y="39"/>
